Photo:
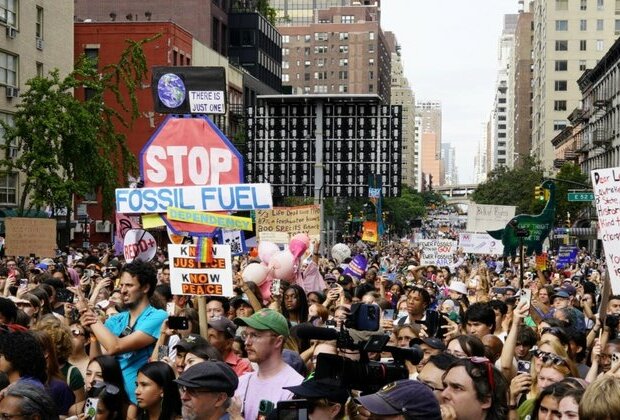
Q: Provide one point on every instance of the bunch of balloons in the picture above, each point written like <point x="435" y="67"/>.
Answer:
<point x="276" y="263"/>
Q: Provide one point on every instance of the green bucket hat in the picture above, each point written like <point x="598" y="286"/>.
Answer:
<point x="266" y="319"/>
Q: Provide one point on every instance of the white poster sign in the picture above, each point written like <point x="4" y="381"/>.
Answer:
<point x="483" y="217"/>
<point x="439" y="252"/>
<point x="480" y="243"/>
<point x="606" y="184"/>
<point x="188" y="276"/>
<point x="139" y="244"/>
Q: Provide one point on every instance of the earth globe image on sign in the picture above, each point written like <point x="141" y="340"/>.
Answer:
<point x="171" y="90"/>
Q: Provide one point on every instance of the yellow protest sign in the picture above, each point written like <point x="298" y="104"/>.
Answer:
<point x="292" y="220"/>
<point x="150" y="221"/>
<point x="212" y="219"/>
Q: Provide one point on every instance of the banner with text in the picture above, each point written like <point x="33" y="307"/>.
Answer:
<point x="483" y="217"/>
<point x="567" y="255"/>
<point x="480" y="243"/>
<point x="437" y="252"/>
<point x="606" y="184"/>
<point x="191" y="277"/>
<point x="292" y="220"/>
<point x="25" y="236"/>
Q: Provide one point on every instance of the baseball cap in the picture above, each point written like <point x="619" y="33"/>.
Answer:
<point x="569" y="288"/>
<point x="213" y="375"/>
<point x="191" y="342"/>
<point x="41" y="266"/>
<point x="432" y="342"/>
<point x="404" y="396"/>
<point x="237" y="302"/>
<point x="344" y="279"/>
<point x="560" y="294"/>
<point x="223" y="324"/>
<point x="458" y="286"/>
<point x="313" y="388"/>
<point x="266" y="319"/>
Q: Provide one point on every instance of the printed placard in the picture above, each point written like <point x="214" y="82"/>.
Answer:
<point x="189" y="276"/>
<point x="480" y="243"/>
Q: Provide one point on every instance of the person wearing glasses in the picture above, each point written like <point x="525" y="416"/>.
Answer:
<point x="432" y="372"/>
<point x="23" y="400"/>
<point x="264" y="336"/>
<point x="326" y="401"/>
<point x="131" y="335"/>
<point x="474" y="390"/>
<point x="206" y="390"/>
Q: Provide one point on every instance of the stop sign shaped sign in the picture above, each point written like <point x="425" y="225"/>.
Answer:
<point x="189" y="152"/>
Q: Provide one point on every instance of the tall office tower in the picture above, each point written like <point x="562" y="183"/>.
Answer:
<point x="569" y="37"/>
<point x="520" y="115"/>
<point x="401" y="94"/>
<point x="418" y="152"/>
<point x="504" y="96"/>
<point x="449" y="169"/>
<point x="38" y="38"/>
<point x="430" y="112"/>
<point x="206" y="21"/>
<point x="343" y="50"/>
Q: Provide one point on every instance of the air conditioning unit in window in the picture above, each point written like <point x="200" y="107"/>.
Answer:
<point x="102" y="226"/>
<point x="12" y="152"/>
<point x="11" y="32"/>
<point x="39" y="43"/>
<point x="12" y="92"/>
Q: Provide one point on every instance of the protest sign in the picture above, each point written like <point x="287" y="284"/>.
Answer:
<point x="139" y="245"/>
<point x="292" y="220"/>
<point x="437" y="252"/>
<point x="606" y="185"/>
<point x="275" y="237"/>
<point x="191" y="277"/>
<point x="211" y="219"/>
<point x="370" y="232"/>
<point x="483" y="217"/>
<point x="235" y="239"/>
<point x="25" y="236"/>
<point x="480" y="243"/>
<point x="541" y="261"/>
<point x="567" y="255"/>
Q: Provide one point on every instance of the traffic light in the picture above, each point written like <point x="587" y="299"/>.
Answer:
<point x="539" y="193"/>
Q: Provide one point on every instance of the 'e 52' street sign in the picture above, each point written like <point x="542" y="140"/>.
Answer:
<point x="580" y="196"/>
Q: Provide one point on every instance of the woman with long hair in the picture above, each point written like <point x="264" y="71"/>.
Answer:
<point x="294" y="305"/>
<point x="157" y="395"/>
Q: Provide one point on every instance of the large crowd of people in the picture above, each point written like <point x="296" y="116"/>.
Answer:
<point x="85" y="335"/>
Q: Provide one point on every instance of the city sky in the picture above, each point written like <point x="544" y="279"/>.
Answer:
<point x="449" y="51"/>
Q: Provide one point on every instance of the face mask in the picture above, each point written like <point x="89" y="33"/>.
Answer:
<point x="402" y="314"/>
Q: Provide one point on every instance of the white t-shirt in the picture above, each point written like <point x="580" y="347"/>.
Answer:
<point x="252" y="390"/>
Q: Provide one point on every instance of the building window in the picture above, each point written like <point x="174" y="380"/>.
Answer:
<point x="343" y="88"/>
<point x="600" y="45"/>
<point x="617" y="25"/>
<point x="560" y="85"/>
<point x="38" y="30"/>
<point x="371" y="48"/>
<point x="371" y="88"/>
<point x="561" y="45"/>
<point x="8" y="12"/>
<point x="8" y="69"/>
<point x="371" y="75"/>
<point x="501" y="135"/>
<point x="307" y="38"/>
<point x="343" y="75"/>
<point x="343" y="62"/>
<point x="8" y="189"/>
<point x="285" y="65"/>
<point x="320" y="62"/>
<point x="343" y="49"/>
<point x="584" y="5"/>
<point x="285" y="77"/>
<point x="561" y="4"/>
<point x="307" y="63"/>
<point x="320" y="36"/>
<point x="559" y="105"/>
<point x="582" y="65"/>
<point x="371" y="62"/>
<point x="583" y="45"/>
<point x="561" y="25"/>
<point x="371" y="35"/>
<point x="286" y="38"/>
<point x="307" y="77"/>
<point x="320" y="89"/>
<point x="320" y="75"/>
<point x="8" y="120"/>
<point x="286" y="51"/>
<point x="343" y="36"/>
<point x="561" y="65"/>
<point x="600" y="24"/>
<point x="321" y="49"/>
<point x="347" y="19"/>
<point x="583" y="25"/>
<point x="600" y="4"/>
<point x="559" y="125"/>
<point x="39" y="69"/>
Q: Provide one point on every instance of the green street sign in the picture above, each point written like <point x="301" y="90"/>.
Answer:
<point x="580" y="196"/>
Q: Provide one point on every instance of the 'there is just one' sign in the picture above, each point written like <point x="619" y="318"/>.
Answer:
<point x="191" y="277"/>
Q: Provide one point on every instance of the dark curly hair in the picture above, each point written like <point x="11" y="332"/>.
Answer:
<point x="144" y="272"/>
<point x="24" y="353"/>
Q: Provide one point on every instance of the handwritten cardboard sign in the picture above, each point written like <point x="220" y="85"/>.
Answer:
<point x="26" y="235"/>
<point x="292" y="220"/>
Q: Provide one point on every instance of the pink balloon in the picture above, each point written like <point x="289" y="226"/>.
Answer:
<point x="255" y="272"/>
<point x="266" y="250"/>
<point x="299" y="244"/>
<point x="282" y="265"/>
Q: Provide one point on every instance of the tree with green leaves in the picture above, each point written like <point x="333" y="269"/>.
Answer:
<point x="69" y="147"/>
<point x="568" y="211"/>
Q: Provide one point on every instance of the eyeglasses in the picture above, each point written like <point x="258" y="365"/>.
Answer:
<point x="99" y="387"/>
<point x="192" y="392"/>
<point x="251" y="337"/>
<point x="489" y="366"/>
<point x="548" y="358"/>
<point x="432" y="387"/>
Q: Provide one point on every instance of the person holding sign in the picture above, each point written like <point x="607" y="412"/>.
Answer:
<point x="130" y="335"/>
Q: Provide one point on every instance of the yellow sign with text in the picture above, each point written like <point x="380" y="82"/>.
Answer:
<point x="292" y="220"/>
<point x="211" y="219"/>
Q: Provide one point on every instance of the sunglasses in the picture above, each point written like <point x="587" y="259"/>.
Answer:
<point x="99" y="387"/>
<point x="489" y="367"/>
<point x="548" y="358"/>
